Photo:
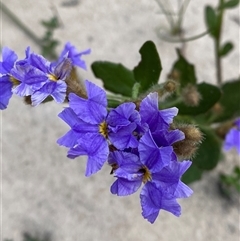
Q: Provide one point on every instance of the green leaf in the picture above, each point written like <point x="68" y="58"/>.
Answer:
<point x="209" y="151"/>
<point x="210" y="94"/>
<point x="211" y="20"/>
<point x="230" y="101"/>
<point x="225" y="49"/>
<point x="147" y="72"/>
<point x="192" y="174"/>
<point x="230" y="4"/>
<point x="116" y="78"/>
<point x="185" y="70"/>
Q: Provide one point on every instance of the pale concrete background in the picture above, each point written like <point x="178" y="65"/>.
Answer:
<point x="43" y="192"/>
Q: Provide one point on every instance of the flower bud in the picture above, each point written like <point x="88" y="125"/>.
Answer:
<point x="74" y="85"/>
<point x="174" y="75"/>
<point x="170" y="86"/>
<point x="190" y="95"/>
<point x="187" y="147"/>
<point x="224" y="128"/>
<point x="217" y="109"/>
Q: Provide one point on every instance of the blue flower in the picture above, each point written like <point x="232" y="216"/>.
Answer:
<point x="232" y="139"/>
<point x="161" y="187"/>
<point x="148" y="164"/>
<point x="93" y="128"/>
<point x="40" y="78"/>
<point x="153" y="164"/>
<point x="75" y="56"/>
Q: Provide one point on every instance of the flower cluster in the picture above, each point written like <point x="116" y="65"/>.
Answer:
<point x="136" y="142"/>
<point x="232" y="139"/>
<point x="35" y="76"/>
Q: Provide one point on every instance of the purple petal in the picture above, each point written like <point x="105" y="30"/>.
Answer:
<point x="149" y="110"/>
<point x="153" y="200"/>
<point x="155" y="118"/>
<point x="124" y="138"/>
<point x="232" y="140"/>
<point x="22" y="90"/>
<point x="92" y="110"/>
<point x="74" y="55"/>
<point x="70" y="117"/>
<point x="70" y="139"/>
<point x="169" y="114"/>
<point x="38" y="97"/>
<point x="125" y="160"/>
<point x="59" y="94"/>
<point x="5" y="91"/>
<point x="182" y="191"/>
<point x="56" y="89"/>
<point x="120" y="116"/>
<point x="96" y="93"/>
<point x="168" y="179"/>
<point x="9" y="58"/>
<point x="95" y="147"/>
<point x="171" y="205"/>
<point x="237" y="123"/>
<point x="29" y="75"/>
<point x="151" y="155"/>
<point x="79" y="126"/>
<point x="63" y="69"/>
<point x="39" y="62"/>
<point x="167" y="138"/>
<point x="123" y="187"/>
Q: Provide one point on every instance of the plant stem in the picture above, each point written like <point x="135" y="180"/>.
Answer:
<point x="217" y="45"/>
<point x="168" y="16"/>
<point x="22" y="26"/>
<point x="184" y="39"/>
<point x="181" y="12"/>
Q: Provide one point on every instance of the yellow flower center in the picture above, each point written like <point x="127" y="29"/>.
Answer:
<point x="103" y="129"/>
<point x="14" y="81"/>
<point x="147" y="174"/>
<point x="53" y="77"/>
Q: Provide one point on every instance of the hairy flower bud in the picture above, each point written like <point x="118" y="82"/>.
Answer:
<point x="217" y="109"/>
<point x="174" y="75"/>
<point x="74" y="85"/>
<point x="190" y="95"/>
<point x="193" y="137"/>
<point x="170" y="86"/>
<point x="224" y="128"/>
